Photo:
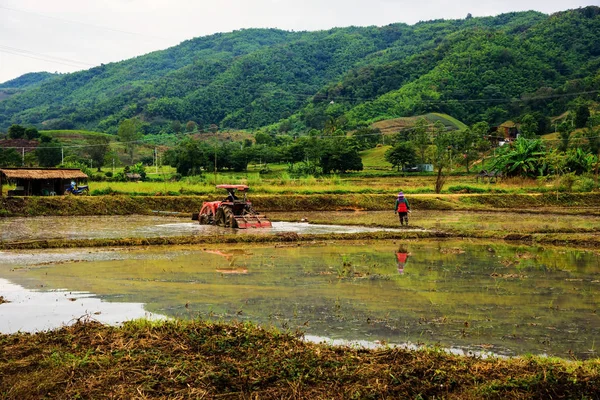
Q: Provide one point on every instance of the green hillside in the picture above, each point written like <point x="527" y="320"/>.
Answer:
<point x="375" y="158"/>
<point x="475" y="69"/>
<point x="27" y="80"/>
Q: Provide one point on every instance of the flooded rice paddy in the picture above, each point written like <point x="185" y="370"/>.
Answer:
<point x="466" y="295"/>
<point x="135" y="226"/>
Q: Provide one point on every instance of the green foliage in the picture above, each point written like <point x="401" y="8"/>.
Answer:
<point x="565" y="129"/>
<point x="584" y="184"/>
<point x="10" y="158"/>
<point x="529" y="126"/>
<point x="579" y="161"/>
<point x="48" y="152"/>
<point x="79" y="165"/>
<point x="137" y="169"/>
<point x="97" y="150"/>
<point x="523" y="157"/>
<point x="129" y="134"/>
<point x="338" y="156"/>
<point x="27" y="80"/>
<point x="16" y="132"/>
<point x="401" y="155"/>
<point x="582" y="114"/>
<point x="189" y="157"/>
<point x="466" y="189"/>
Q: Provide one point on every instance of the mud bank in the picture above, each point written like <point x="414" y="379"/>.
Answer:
<point x="125" y="205"/>
<point x="191" y="240"/>
<point x="566" y="240"/>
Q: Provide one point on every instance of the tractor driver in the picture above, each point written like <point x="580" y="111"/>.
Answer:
<point x="231" y="196"/>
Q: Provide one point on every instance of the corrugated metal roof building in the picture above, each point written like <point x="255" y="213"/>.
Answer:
<point x="39" y="181"/>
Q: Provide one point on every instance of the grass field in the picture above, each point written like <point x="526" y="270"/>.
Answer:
<point x="375" y="158"/>
<point x="283" y="183"/>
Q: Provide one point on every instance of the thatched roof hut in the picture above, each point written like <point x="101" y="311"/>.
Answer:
<point x="40" y="181"/>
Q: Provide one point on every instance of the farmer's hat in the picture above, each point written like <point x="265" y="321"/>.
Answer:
<point x="400" y="195"/>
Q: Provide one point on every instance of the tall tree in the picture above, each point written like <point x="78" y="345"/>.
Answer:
<point x="16" y="132"/>
<point x="129" y="135"/>
<point x="190" y="126"/>
<point x="32" y="133"/>
<point x="445" y="152"/>
<point x="97" y="149"/>
<point x="401" y="155"/>
<point x="529" y="126"/>
<point x="582" y="114"/>
<point x="48" y="152"/>
<point x="421" y="138"/>
<point x="564" y="131"/>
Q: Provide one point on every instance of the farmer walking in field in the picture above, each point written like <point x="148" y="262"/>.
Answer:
<point x="402" y="208"/>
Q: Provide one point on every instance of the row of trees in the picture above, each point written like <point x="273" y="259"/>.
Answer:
<point x="307" y="155"/>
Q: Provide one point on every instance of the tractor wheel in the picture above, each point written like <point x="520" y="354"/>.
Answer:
<point x="220" y="217"/>
<point x="228" y="218"/>
<point x="206" y="219"/>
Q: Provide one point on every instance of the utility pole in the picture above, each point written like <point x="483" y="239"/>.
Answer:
<point x="156" y="159"/>
<point x="215" y="158"/>
<point x="62" y="156"/>
<point x="23" y="156"/>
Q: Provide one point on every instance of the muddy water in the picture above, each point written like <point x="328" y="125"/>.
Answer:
<point x="465" y="295"/>
<point x="111" y="227"/>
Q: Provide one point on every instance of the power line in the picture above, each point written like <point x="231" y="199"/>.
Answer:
<point x="83" y="23"/>
<point x="43" y="57"/>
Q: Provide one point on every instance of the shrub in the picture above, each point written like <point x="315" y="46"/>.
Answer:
<point x="103" y="192"/>
<point x="466" y="189"/>
<point x="584" y="184"/>
<point x="566" y="182"/>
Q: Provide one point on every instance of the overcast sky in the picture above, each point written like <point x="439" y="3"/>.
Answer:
<point x="71" y="35"/>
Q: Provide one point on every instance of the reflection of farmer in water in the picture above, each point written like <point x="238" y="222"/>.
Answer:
<point x="402" y="256"/>
<point x="402" y="208"/>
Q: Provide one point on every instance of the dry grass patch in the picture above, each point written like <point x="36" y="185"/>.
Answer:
<point x="201" y="359"/>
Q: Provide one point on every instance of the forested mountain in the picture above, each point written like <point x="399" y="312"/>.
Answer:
<point x="490" y="69"/>
<point x="27" y="80"/>
<point x="22" y="83"/>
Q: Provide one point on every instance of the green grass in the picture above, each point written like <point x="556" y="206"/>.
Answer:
<point x="280" y="182"/>
<point x="375" y="158"/>
<point x="447" y="120"/>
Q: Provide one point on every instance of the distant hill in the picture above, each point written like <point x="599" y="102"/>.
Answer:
<point x="28" y="80"/>
<point x="18" y="85"/>
<point x="395" y="125"/>
<point x="474" y="69"/>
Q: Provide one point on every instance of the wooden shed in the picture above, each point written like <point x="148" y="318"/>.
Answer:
<point x="40" y="181"/>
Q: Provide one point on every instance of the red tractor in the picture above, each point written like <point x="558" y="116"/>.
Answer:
<point x="232" y="212"/>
